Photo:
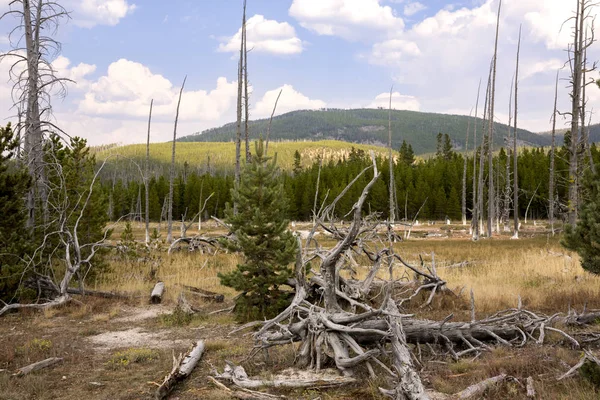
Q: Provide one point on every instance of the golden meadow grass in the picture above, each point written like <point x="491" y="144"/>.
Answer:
<point x="536" y="268"/>
<point x="222" y="154"/>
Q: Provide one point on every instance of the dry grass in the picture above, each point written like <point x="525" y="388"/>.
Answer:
<point x="499" y="271"/>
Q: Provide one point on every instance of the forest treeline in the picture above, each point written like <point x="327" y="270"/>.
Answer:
<point x="432" y="188"/>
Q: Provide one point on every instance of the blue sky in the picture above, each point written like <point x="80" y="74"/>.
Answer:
<point x="322" y="53"/>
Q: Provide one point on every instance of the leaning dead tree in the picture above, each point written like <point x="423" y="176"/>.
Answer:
<point x="147" y="177"/>
<point x="35" y="82"/>
<point x="69" y="214"/>
<point x="172" y="170"/>
<point x="238" y="136"/>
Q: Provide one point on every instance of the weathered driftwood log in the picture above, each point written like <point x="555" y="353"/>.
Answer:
<point x="182" y="368"/>
<point x="530" y="388"/>
<point x="157" y="293"/>
<point x="475" y="391"/>
<point x="48" y="289"/>
<point x="38" y="365"/>
<point x="205" y="294"/>
<point x="287" y="379"/>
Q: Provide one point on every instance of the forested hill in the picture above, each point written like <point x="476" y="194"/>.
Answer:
<point x="368" y="126"/>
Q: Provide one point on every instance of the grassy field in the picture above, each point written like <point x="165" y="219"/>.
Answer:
<point x="546" y="277"/>
<point x="222" y="154"/>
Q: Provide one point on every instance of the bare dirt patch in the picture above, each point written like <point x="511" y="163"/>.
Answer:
<point x="134" y="337"/>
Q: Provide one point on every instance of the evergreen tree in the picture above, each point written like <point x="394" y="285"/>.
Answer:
<point x="585" y="236"/>
<point x="447" y="148"/>
<point x="297" y="163"/>
<point x="407" y="155"/>
<point x="261" y="228"/>
<point x="15" y="241"/>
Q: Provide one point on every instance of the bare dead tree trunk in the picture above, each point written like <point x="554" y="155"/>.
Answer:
<point x="506" y="214"/>
<point x="246" y="95"/>
<point x="491" y="203"/>
<point x="482" y="161"/>
<point x="515" y="154"/>
<point x="147" y="176"/>
<point x="392" y="184"/>
<point x="552" y="155"/>
<point x="475" y="214"/>
<point x="464" y="178"/>
<point x="238" y="136"/>
<point x="270" y="122"/>
<point x="172" y="171"/>
<point x="576" y="76"/>
<point x="585" y="129"/>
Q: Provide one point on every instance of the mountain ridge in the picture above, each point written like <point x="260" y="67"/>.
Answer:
<point x="369" y="126"/>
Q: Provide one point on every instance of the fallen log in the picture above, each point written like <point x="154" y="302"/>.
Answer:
<point x="205" y="294"/>
<point x="182" y="368"/>
<point x="38" y="365"/>
<point x="96" y="293"/>
<point x="475" y="391"/>
<point x="288" y="379"/>
<point x="157" y="292"/>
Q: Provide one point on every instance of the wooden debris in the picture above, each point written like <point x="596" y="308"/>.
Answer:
<point x="157" y="292"/>
<point x="205" y="294"/>
<point x="475" y="391"/>
<point x="530" y="388"/>
<point x="293" y="379"/>
<point x="38" y="365"/>
<point x="182" y="368"/>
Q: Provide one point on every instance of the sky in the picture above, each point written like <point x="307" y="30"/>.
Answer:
<point x="121" y="54"/>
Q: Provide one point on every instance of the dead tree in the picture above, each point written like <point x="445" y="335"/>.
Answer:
<point x="576" y="63"/>
<point x="474" y="210"/>
<point x="392" y="184"/>
<point x="585" y="129"/>
<point x="147" y="176"/>
<point x="35" y="83"/>
<point x="515" y="154"/>
<point x="238" y="136"/>
<point x="479" y="226"/>
<point x="270" y="122"/>
<point x="69" y="241"/>
<point x="491" y="208"/>
<point x="246" y="94"/>
<point x="552" y="155"/>
<point x="464" y="178"/>
<point x="506" y="214"/>
<point x="172" y="171"/>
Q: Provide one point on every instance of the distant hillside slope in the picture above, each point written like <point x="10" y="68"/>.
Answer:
<point x="209" y="156"/>
<point x="367" y="126"/>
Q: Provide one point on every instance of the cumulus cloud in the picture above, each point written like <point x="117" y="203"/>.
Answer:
<point x="290" y="100"/>
<point x="345" y="18"/>
<point x="89" y="13"/>
<point x="265" y="36"/>
<point x="399" y="102"/>
<point x="392" y="52"/>
<point x="414" y="8"/>
<point x="128" y="87"/>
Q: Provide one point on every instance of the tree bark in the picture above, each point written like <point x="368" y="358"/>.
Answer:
<point x="181" y="370"/>
<point x="464" y="178"/>
<point x="157" y="292"/>
<point x="38" y="365"/>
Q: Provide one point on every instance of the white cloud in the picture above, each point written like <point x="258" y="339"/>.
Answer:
<point x="265" y="36"/>
<point x="128" y="88"/>
<point x="345" y="18"/>
<point x="4" y="39"/>
<point x="89" y="13"/>
<point x="399" y="102"/>
<point x="414" y="8"/>
<point x="537" y="67"/>
<point x="290" y="100"/>
<point x="392" y="52"/>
